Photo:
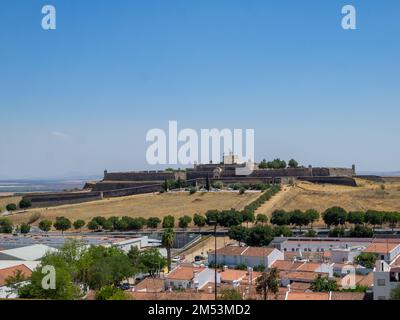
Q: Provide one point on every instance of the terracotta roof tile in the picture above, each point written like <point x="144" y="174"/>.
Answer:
<point x="308" y="296"/>
<point x="7" y="272"/>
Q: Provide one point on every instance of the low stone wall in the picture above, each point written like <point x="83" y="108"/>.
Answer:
<point x="344" y="181"/>
<point x="55" y="199"/>
<point x="117" y="185"/>
<point x="132" y="191"/>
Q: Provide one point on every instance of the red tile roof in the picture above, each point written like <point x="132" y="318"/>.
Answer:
<point x="308" y="296"/>
<point x="7" y="272"/>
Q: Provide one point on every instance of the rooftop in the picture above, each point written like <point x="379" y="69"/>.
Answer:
<point x="184" y="273"/>
<point x="7" y="272"/>
<point x="244" y="251"/>
<point x="150" y="285"/>
<point x="28" y="253"/>
<point x="381" y="247"/>
<point x="307" y="296"/>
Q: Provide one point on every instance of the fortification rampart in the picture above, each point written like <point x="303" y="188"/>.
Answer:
<point x="59" y="198"/>
<point x="139" y="176"/>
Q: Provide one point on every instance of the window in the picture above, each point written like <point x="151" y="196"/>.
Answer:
<point x="285" y="249"/>
<point x="381" y="282"/>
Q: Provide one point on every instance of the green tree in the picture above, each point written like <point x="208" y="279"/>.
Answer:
<point x="212" y="216"/>
<point x="199" y="220"/>
<point x="229" y="218"/>
<point x="14" y="282"/>
<point x="299" y="219"/>
<point x="367" y="259"/>
<point x="392" y="218"/>
<point x="248" y="216"/>
<point x="25" y="228"/>
<point x="110" y="292"/>
<point x="280" y="218"/>
<point x="356" y="217"/>
<point x="93" y="225"/>
<point x="238" y="233"/>
<point x="6" y="225"/>
<point x="262" y="218"/>
<point x="65" y="286"/>
<point x="268" y="282"/>
<point x="184" y="221"/>
<point x="11" y="207"/>
<point x="361" y="231"/>
<point x="45" y="225"/>
<point x="285" y="231"/>
<point x="153" y="222"/>
<point x="152" y="262"/>
<point x="168" y="239"/>
<point x="263" y="164"/>
<point x="259" y="236"/>
<point x="374" y="217"/>
<point x="24" y="204"/>
<point x="229" y="294"/>
<point x="312" y="216"/>
<point x="62" y="224"/>
<point x="79" y="224"/>
<point x="105" y="266"/>
<point x="293" y="163"/>
<point x="323" y="284"/>
<point x="335" y="216"/>
<point x="168" y="222"/>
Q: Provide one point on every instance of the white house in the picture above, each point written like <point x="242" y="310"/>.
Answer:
<point x="188" y="277"/>
<point x="386" y="278"/>
<point x="232" y="256"/>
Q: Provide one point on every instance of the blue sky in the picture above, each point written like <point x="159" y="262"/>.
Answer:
<point x="80" y="99"/>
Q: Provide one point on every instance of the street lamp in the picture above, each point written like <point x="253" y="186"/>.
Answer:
<point x="215" y="257"/>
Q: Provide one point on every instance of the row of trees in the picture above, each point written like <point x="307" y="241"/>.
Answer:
<point x="258" y="235"/>
<point x="297" y="217"/>
<point x="278" y="164"/>
<point x="336" y="216"/>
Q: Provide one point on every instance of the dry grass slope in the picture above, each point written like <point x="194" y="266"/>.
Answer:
<point x="368" y="195"/>
<point x="147" y="205"/>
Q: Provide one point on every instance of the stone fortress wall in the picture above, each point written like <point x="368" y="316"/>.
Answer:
<point x="119" y="184"/>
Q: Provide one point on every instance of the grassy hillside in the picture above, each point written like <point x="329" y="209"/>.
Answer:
<point x="147" y="205"/>
<point x="368" y="195"/>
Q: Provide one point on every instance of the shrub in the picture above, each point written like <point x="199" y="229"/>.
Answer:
<point x="23" y="204"/>
<point x="6" y="225"/>
<point x="11" y="207"/>
<point x="25" y="228"/>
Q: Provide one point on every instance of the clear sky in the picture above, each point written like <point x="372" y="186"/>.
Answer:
<point x="80" y="99"/>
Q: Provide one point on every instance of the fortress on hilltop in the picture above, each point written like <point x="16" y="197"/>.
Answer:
<point x="117" y="184"/>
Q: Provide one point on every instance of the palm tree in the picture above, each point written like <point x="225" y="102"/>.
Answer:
<point x="168" y="239"/>
<point x="268" y="282"/>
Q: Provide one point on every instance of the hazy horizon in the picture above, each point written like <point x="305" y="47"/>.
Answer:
<point x="80" y="99"/>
